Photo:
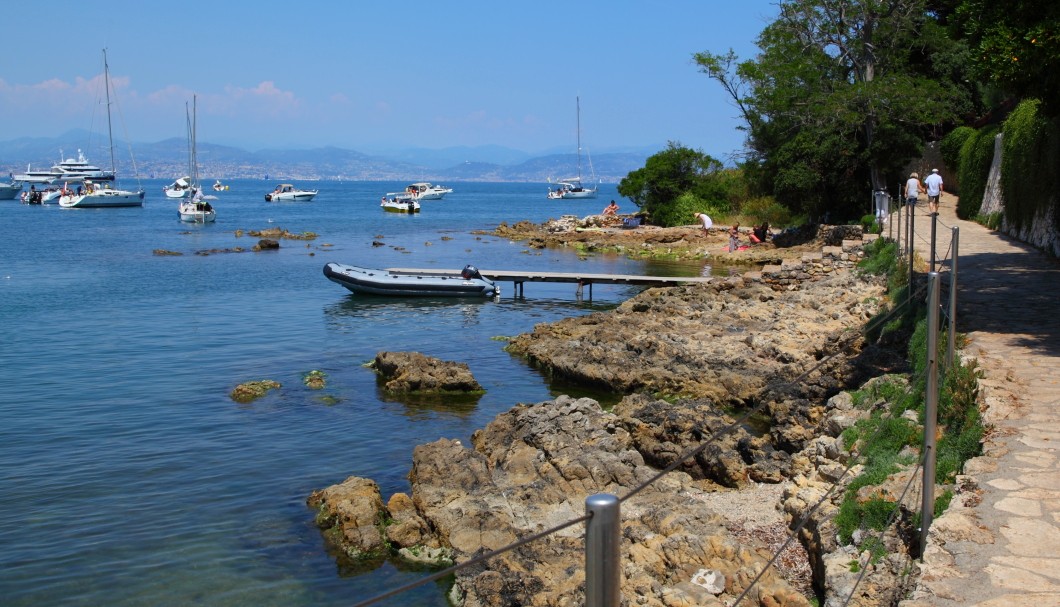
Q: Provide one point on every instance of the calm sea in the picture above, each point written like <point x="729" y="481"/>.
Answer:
<point x="128" y="476"/>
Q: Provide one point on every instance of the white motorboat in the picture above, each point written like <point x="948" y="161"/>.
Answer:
<point x="103" y="195"/>
<point x="400" y="203"/>
<point x="287" y="192"/>
<point x="180" y="188"/>
<point x="366" y="281"/>
<point x="572" y="187"/>
<point x="219" y="187"/>
<point x="9" y="191"/>
<point x="424" y="191"/>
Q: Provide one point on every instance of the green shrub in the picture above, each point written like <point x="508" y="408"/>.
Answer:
<point x="766" y="208"/>
<point x="1030" y="155"/>
<point x="950" y="149"/>
<point x="682" y="211"/>
<point x="977" y="154"/>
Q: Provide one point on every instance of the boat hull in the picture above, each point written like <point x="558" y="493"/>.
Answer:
<point x="366" y="281"/>
<point x="401" y="206"/>
<point x="8" y="191"/>
<point x="290" y="197"/>
<point x="100" y="199"/>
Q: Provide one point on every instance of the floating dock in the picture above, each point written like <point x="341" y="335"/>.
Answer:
<point x="518" y="277"/>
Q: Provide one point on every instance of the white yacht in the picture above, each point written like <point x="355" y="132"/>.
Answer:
<point x="425" y="191"/>
<point x="79" y="169"/>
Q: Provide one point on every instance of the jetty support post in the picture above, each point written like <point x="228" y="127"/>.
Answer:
<point x="603" y="540"/>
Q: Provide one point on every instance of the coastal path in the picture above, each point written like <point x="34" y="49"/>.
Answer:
<point x="999" y="542"/>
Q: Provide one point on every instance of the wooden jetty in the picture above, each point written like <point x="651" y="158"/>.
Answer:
<point x="518" y="277"/>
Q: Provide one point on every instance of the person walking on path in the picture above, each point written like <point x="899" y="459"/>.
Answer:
<point x="933" y="184"/>
<point x="996" y="544"/>
<point x="913" y="187"/>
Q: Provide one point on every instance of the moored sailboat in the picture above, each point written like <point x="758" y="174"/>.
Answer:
<point x="572" y="187"/>
<point x="196" y="208"/>
<point x="94" y="194"/>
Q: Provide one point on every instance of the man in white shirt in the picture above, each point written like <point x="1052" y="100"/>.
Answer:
<point x="933" y="183"/>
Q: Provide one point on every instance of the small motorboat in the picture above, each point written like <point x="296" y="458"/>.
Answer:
<point x="286" y="191"/>
<point x="400" y="203"/>
<point x="425" y="191"/>
<point x="366" y="281"/>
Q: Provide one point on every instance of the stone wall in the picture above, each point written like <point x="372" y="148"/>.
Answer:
<point x="792" y="274"/>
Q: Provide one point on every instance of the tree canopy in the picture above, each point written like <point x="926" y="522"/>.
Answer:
<point x="840" y="98"/>
<point x="699" y="181"/>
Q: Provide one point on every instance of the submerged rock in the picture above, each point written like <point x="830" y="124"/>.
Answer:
<point x="252" y="390"/>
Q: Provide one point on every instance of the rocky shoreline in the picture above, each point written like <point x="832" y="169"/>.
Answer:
<point x="690" y="360"/>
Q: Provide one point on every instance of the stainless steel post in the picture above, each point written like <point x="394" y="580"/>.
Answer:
<point x="951" y="343"/>
<point x="603" y="537"/>
<point x="934" y="224"/>
<point x="912" y="216"/>
<point x="931" y="403"/>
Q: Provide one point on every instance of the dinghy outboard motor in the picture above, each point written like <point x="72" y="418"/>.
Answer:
<point x="470" y="272"/>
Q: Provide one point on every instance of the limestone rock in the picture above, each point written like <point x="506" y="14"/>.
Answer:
<point x="414" y="373"/>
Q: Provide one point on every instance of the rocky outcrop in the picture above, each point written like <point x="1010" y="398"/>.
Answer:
<point x="720" y="341"/>
<point x="530" y="470"/>
<point x="414" y="373"/>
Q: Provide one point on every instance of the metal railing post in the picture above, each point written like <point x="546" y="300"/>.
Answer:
<point x="603" y="537"/>
<point x="931" y="403"/>
<point x="912" y="215"/>
<point x="951" y="338"/>
<point x="934" y="225"/>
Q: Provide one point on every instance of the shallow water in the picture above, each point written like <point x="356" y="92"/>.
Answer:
<point x="127" y="474"/>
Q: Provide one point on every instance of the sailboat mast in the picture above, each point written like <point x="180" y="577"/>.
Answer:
<point x="194" y="142"/>
<point x="578" y="106"/>
<point x="110" y="129"/>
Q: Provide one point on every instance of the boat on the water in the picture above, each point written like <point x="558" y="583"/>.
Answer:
<point x="287" y="191"/>
<point x="218" y="186"/>
<point x="79" y="169"/>
<point x="422" y="190"/>
<point x="180" y="188"/>
<point x="39" y="176"/>
<point x="367" y="281"/>
<point x="400" y="203"/>
<point x="195" y="208"/>
<point x="103" y="195"/>
<point x="9" y="191"/>
<point x="572" y="187"/>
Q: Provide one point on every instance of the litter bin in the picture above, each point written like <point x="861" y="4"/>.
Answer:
<point x="883" y="205"/>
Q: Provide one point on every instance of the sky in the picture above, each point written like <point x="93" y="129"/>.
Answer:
<point x="380" y="75"/>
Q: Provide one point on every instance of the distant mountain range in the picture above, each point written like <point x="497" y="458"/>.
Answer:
<point x="167" y="159"/>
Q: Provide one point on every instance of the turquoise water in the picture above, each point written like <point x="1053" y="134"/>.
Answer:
<point x="127" y="474"/>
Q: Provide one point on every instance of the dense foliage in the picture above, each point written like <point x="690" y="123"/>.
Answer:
<point x="841" y="97"/>
<point x="977" y="154"/>
<point x="1016" y="45"/>
<point x="679" y="181"/>
<point x="950" y="149"/>
<point x="1029" y="161"/>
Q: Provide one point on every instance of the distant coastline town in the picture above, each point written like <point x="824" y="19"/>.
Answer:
<point x="167" y="159"/>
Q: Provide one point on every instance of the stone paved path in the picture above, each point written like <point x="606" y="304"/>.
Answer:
<point x="999" y="543"/>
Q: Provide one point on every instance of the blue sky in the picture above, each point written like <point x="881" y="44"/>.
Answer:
<point x="376" y="75"/>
